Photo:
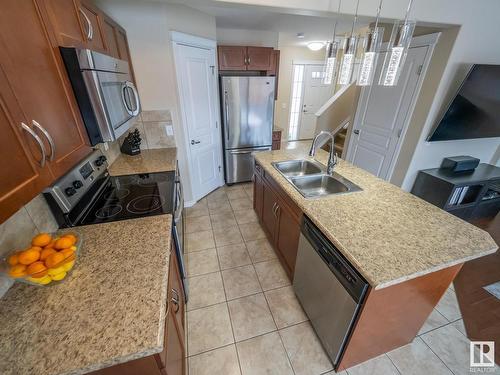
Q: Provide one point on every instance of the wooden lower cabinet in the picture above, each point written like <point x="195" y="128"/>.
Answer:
<point x="172" y="360"/>
<point x="279" y="216"/>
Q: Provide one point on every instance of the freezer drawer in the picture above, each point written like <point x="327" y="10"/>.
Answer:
<point x="239" y="163"/>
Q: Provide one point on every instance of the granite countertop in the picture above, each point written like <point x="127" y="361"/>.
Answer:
<point x="389" y="235"/>
<point x="148" y="161"/>
<point x="110" y="310"/>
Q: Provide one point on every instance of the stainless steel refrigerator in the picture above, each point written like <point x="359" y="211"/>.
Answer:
<point x="247" y="117"/>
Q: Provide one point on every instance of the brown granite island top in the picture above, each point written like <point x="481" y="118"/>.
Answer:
<point x="110" y="310"/>
<point x="148" y="161"/>
<point x="389" y="235"/>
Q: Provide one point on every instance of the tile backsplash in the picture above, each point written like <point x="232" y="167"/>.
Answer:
<point x="153" y="128"/>
<point x="36" y="216"/>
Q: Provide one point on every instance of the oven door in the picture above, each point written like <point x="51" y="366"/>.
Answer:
<point x="115" y="100"/>
<point x="178" y="231"/>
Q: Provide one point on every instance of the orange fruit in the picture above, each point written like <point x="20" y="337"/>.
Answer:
<point x="37" y="270"/>
<point x="13" y="259"/>
<point x="67" y="252"/>
<point x="72" y="236"/>
<point x="42" y="239"/>
<point x="18" y="270"/>
<point x="64" y="242"/>
<point x="46" y="252"/>
<point x="54" y="259"/>
<point x="29" y="256"/>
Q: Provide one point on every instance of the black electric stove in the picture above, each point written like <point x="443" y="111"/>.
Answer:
<point x="128" y="197"/>
<point x="88" y="195"/>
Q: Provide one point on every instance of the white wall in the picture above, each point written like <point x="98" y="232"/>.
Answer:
<point x="240" y="37"/>
<point x="477" y="42"/>
<point x="148" y="25"/>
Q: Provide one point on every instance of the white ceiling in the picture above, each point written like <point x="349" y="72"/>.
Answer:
<point x="314" y="27"/>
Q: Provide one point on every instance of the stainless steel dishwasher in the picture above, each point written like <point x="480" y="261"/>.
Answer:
<point x="329" y="289"/>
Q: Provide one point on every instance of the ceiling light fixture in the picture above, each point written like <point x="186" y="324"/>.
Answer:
<point x="332" y="49"/>
<point x="315" y="46"/>
<point x="401" y="35"/>
<point x="371" y="51"/>
<point x="350" y="46"/>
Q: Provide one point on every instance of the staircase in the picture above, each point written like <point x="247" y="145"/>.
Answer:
<point x="340" y="138"/>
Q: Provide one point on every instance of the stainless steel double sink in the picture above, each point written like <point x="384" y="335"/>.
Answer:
<point x="310" y="179"/>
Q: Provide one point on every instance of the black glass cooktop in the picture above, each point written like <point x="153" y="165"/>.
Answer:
<point x="129" y="197"/>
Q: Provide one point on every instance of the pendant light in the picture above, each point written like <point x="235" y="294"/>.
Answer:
<point x="401" y="35"/>
<point x="371" y="51"/>
<point x="332" y="49"/>
<point x="350" y="46"/>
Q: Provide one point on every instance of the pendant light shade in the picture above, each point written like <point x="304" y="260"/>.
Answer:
<point x="371" y="50"/>
<point x="401" y="36"/>
<point x="332" y="50"/>
<point x="350" y="48"/>
<point x="330" y="62"/>
<point x="347" y="65"/>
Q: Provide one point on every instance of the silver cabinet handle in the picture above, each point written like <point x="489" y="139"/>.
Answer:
<point x="131" y="111"/>
<point x="193" y="142"/>
<point x="275" y="209"/>
<point x="49" y="138"/>
<point x="175" y="299"/>
<point x="248" y="60"/>
<point x="38" y="140"/>
<point x="90" y="28"/>
<point x="226" y="113"/>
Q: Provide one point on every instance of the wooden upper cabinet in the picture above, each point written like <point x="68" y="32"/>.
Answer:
<point x="109" y="30"/>
<point x="65" y="21"/>
<point x="259" y="58"/>
<point x="21" y="173"/>
<point x="90" y="18"/>
<point x="37" y="77"/>
<point x="123" y="49"/>
<point x="232" y="57"/>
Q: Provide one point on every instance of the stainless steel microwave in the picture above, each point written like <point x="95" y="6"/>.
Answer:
<point x="103" y="87"/>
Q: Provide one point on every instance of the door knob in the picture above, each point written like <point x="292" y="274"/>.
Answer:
<point x="356" y="131"/>
<point x="193" y="142"/>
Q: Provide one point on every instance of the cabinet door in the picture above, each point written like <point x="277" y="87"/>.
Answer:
<point x="269" y="215"/>
<point x="109" y="32"/>
<point x="232" y="57"/>
<point x="258" y="192"/>
<point x="36" y="75"/>
<point x="259" y="58"/>
<point x="287" y="236"/>
<point x="123" y="50"/>
<point x="21" y="175"/>
<point x="175" y="358"/>
<point x="63" y="15"/>
<point x="91" y="23"/>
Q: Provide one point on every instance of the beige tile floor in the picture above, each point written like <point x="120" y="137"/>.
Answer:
<point x="244" y="319"/>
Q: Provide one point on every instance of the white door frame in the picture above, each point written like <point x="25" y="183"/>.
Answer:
<point x="183" y="39"/>
<point x="429" y="41"/>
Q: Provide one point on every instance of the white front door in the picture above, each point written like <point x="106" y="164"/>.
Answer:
<point x="197" y="84"/>
<point x="309" y="93"/>
<point x="382" y="117"/>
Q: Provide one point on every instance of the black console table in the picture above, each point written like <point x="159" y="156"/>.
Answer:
<point x="468" y="195"/>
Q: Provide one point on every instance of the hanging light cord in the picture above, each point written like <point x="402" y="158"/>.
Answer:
<point x="356" y="18"/>
<point x="378" y="15"/>
<point x="336" y="21"/>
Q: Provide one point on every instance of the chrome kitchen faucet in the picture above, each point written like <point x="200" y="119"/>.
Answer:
<point x="332" y="158"/>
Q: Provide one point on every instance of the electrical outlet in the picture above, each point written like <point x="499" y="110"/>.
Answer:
<point x="169" y="129"/>
<point x="106" y="147"/>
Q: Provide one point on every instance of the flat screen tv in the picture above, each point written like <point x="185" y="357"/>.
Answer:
<point x="475" y="111"/>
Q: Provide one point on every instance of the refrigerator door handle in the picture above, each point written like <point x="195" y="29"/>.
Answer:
<point x="241" y="152"/>
<point x="226" y="113"/>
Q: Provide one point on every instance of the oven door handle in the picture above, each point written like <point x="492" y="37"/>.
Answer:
<point x="129" y="85"/>
<point x="179" y="201"/>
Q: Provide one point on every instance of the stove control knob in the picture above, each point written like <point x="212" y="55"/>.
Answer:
<point x="77" y="184"/>
<point x="70" y="191"/>
<point x="100" y="160"/>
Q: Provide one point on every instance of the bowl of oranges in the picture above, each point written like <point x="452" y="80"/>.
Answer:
<point x="49" y="258"/>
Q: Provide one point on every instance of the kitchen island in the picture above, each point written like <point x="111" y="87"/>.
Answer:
<point x="407" y="250"/>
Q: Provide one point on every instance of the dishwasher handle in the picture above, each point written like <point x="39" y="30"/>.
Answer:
<point x="352" y="281"/>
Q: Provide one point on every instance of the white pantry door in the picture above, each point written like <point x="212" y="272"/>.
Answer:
<point x="197" y="84"/>
<point x="382" y="117"/>
<point x="316" y="93"/>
